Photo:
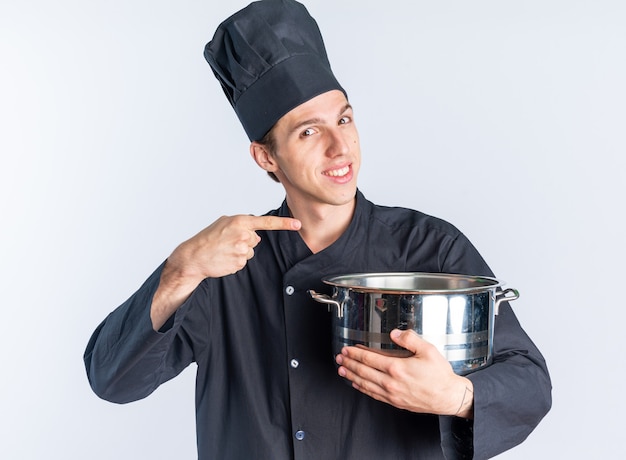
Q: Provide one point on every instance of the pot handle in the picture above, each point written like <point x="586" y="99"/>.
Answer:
<point x="501" y="297"/>
<point x="323" y="298"/>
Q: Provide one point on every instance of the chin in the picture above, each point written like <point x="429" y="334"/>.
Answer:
<point x="344" y="198"/>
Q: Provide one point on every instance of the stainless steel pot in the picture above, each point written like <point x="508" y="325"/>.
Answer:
<point x="453" y="312"/>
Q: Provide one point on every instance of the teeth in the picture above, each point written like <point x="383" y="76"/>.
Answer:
<point x="338" y="172"/>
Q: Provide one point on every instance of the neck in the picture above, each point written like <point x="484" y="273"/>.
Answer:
<point x="322" y="224"/>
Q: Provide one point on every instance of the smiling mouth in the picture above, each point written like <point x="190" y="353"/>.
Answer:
<point x="338" y="172"/>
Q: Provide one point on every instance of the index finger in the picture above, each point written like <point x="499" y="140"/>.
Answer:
<point x="274" y="223"/>
<point x="353" y="356"/>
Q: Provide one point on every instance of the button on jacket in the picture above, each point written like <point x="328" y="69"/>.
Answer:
<point x="267" y="385"/>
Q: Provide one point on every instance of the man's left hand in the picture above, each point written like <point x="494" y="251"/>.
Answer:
<point x="422" y="382"/>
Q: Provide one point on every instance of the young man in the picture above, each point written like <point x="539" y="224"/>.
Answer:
<point x="233" y="299"/>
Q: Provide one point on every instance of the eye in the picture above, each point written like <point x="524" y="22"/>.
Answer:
<point x="345" y="120"/>
<point x="308" y="132"/>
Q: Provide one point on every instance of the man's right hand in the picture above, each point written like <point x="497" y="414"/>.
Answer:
<point x="221" y="249"/>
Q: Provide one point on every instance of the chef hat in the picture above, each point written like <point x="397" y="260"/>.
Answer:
<point x="269" y="58"/>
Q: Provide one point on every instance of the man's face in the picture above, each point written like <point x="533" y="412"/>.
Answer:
<point x="317" y="155"/>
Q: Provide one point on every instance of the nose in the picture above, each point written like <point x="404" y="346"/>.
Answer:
<point x="338" y="142"/>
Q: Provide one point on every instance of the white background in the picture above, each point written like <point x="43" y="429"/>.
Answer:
<point x="506" y="118"/>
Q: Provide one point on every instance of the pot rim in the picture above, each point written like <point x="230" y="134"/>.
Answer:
<point x="392" y="283"/>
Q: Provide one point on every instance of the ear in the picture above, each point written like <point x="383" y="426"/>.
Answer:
<point x="262" y="157"/>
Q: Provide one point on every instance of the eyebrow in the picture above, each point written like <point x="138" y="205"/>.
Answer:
<point x="312" y="121"/>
